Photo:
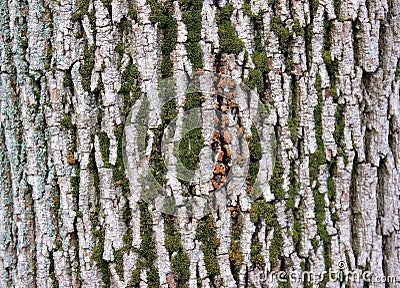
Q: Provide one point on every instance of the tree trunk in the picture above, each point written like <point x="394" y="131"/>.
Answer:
<point x="322" y="196"/>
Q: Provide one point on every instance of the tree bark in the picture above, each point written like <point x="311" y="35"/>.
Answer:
<point x="72" y="212"/>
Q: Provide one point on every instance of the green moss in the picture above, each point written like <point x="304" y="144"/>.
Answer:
<point x="258" y="76"/>
<point x="293" y="188"/>
<point x="126" y="215"/>
<point x="169" y="112"/>
<point x="228" y="39"/>
<point x="135" y="280"/>
<point x="255" y="80"/>
<point x="147" y="251"/>
<point x="320" y="216"/>
<point x="261" y="60"/>
<point x="189" y="148"/>
<point x="336" y="5"/>
<point x="180" y="262"/>
<point x="159" y="170"/>
<point x="308" y="34"/>
<point x="289" y="64"/>
<point x="132" y="12"/>
<point x="285" y="37"/>
<point x="180" y="266"/>
<point x="331" y="65"/>
<point x="119" y="175"/>
<point x="66" y="122"/>
<point x="93" y="168"/>
<point x="123" y="25"/>
<point x="49" y="55"/>
<point x="119" y="255"/>
<point x="335" y="217"/>
<point x="286" y="41"/>
<point x="339" y="131"/>
<point x="142" y="118"/>
<point x="119" y="264"/>
<point x="53" y="277"/>
<point x="331" y="189"/>
<point x="92" y="22"/>
<point x="255" y="148"/>
<point x="56" y="201"/>
<point x="293" y="120"/>
<point x="235" y="252"/>
<point x="297" y="28"/>
<point x="229" y="42"/>
<point x="255" y="253"/>
<point x="317" y="159"/>
<point x="75" y="180"/>
<point x="296" y="235"/>
<point x="192" y="19"/>
<point x="153" y="281"/>
<point x="127" y="238"/>
<point x="83" y="9"/>
<point x="255" y="151"/>
<point x="252" y="173"/>
<point x="276" y="247"/>
<point x="68" y="80"/>
<point x="107" y="5"/>
<point x="172" y="235"/>
<point x="225" y="13"/>
<point x="162" y="13"/>
<point x="206" y="234"/>
<point x="97" y="255"/>
<point x="195" y="55"/>
<point x="314" y="4"/>
<point x="129" y="87"/>
<point x="24" y="44"/>
<point x="257" y="211"/>
<point x="167" y="67"/>
<point x="87" y="67"/>
<point x="193" y="100"/>
<point x="236" y="257"/>
<point x="286" y="283"/>
<point x="247" y="9"/>
<point x="277" y="180"/>
<point x="36" y="93"/>
<point x="104" y="148"/>
<point x="170" y="36"/>
<point x="328" y="27"/>
<point x="119" y="48"/>
<point x="271" y="219"/>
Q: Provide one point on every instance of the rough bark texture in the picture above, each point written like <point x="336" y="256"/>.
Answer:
<point x="71" y="214"/>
